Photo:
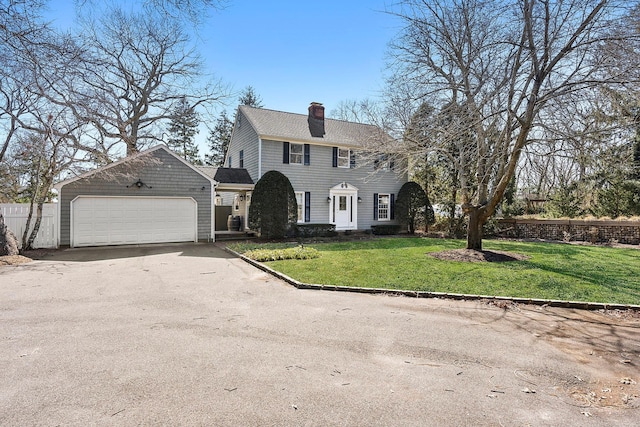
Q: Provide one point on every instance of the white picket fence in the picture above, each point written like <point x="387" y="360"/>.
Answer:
<point x="15" y="217"/>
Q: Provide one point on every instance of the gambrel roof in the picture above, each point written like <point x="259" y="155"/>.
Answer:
<point x="282" y="126"/>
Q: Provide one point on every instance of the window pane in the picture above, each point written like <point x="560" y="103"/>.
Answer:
<point x="343" y="158"/>
<point x="300" y="201"/>
<point x="295" y="153"/>
<point x="383" y="206"/>
<point x="343" y="203"/>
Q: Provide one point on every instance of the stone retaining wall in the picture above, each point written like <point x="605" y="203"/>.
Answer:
<point x="594" y="231"/>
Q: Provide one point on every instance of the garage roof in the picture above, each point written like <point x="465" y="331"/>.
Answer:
<point x="130" y="159"/>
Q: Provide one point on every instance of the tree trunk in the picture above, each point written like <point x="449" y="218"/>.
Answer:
<point x="27" y="227"/>
<point x="36" y="228"/>
<point x="452" y="210"/>
<point x="474" y="230"/>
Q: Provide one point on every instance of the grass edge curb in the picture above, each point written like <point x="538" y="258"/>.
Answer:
<point x="582" y="305"/>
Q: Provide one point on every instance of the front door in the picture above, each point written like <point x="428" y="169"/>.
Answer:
<point x="343" y="206"/>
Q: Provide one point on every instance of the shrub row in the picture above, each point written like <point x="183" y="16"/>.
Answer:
<point x="299" y="252"/>
<point x="315" y="230"/>
<point x="385" y="229"/>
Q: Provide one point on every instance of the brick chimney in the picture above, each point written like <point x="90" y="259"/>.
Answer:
<point x="316" y="119"/>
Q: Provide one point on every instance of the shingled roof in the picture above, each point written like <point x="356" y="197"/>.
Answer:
<point x="227" y="175"/>
<point x="282" y="126"/>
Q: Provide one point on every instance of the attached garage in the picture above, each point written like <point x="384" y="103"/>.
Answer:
<point x="152" y="197"/>
<point x="104" y="220"/>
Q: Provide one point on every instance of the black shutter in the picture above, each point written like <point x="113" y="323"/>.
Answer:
<point x="335" y="157"/>
<point x="285" y="152"/>
<point x="352" y="160"/>
<point x="307" y="206"/>
<point x="393" y="207"/>
<point x="307" y="155"/>
<point x="375" y="206"/>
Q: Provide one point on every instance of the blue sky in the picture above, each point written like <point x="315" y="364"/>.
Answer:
<point x="295" y="52"/>
<point x="292" y="52"/>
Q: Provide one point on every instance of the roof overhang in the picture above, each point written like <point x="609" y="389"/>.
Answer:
<point x="221" y="186"/>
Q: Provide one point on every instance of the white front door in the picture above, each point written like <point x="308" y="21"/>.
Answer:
<point x="343" y="207"/>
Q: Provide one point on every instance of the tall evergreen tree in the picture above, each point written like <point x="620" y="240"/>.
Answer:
<point x="182" y="131"/>
<point x="220" y="136"/>
<point x="218" y="140"/>
<point x="250" y="97"/>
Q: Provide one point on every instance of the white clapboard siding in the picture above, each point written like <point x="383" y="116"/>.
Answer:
<point x="15" y="217"/>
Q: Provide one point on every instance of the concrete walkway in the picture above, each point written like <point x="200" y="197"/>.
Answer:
<point x="188" y="335"/>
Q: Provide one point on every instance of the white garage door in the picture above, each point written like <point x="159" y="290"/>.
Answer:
<point x="97" y="221"/>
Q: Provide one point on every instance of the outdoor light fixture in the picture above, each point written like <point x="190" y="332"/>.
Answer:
<point x="138" y="184"/>
<point x="328" y="199"/>
<point x="359" y="199"/>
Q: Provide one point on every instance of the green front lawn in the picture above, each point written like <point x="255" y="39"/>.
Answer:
<point x="553" y="270"/>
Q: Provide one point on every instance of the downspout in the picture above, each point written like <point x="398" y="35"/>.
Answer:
<point x="259" y="157"/>
<point x="58" y="213"/>
<point x="214" y="185"/>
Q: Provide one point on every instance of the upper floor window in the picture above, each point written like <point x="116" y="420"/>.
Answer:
<point x="343" y="158"/>
<point x="241" y="158"/>
<point x="384" y="162"/>
<point x="229" y="165"/>
<point x="296" y="152"/>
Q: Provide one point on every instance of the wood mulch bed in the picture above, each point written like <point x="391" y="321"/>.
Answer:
<point x="24" y="258"/>
<point x="14" y="260"/>
<point x="470" y="255"/>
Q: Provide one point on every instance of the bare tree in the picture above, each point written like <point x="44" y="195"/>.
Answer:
<point x="21" y="31"/>
<point x="357" y="111"/>
<point x="493" y="71"/>
<point x="134" y="73"/>
<point x="193" y="11"/>
<point x="47" y="149"/>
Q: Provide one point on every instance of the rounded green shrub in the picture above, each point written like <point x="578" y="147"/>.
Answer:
<point x="413" y="206"/>
<point x="273" y="210"/>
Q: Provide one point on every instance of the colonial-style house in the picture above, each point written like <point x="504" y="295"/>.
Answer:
<point x="327" y="162"/>
<point x="158" y="197"/>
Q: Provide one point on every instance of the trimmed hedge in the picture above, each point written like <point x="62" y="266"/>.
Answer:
<point x="315" y="230"/>
<point x="299" y="252"/>
<point x="385" y="229"/>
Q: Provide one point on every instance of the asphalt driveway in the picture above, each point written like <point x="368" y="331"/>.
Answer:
<point x="188" y="335"/>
